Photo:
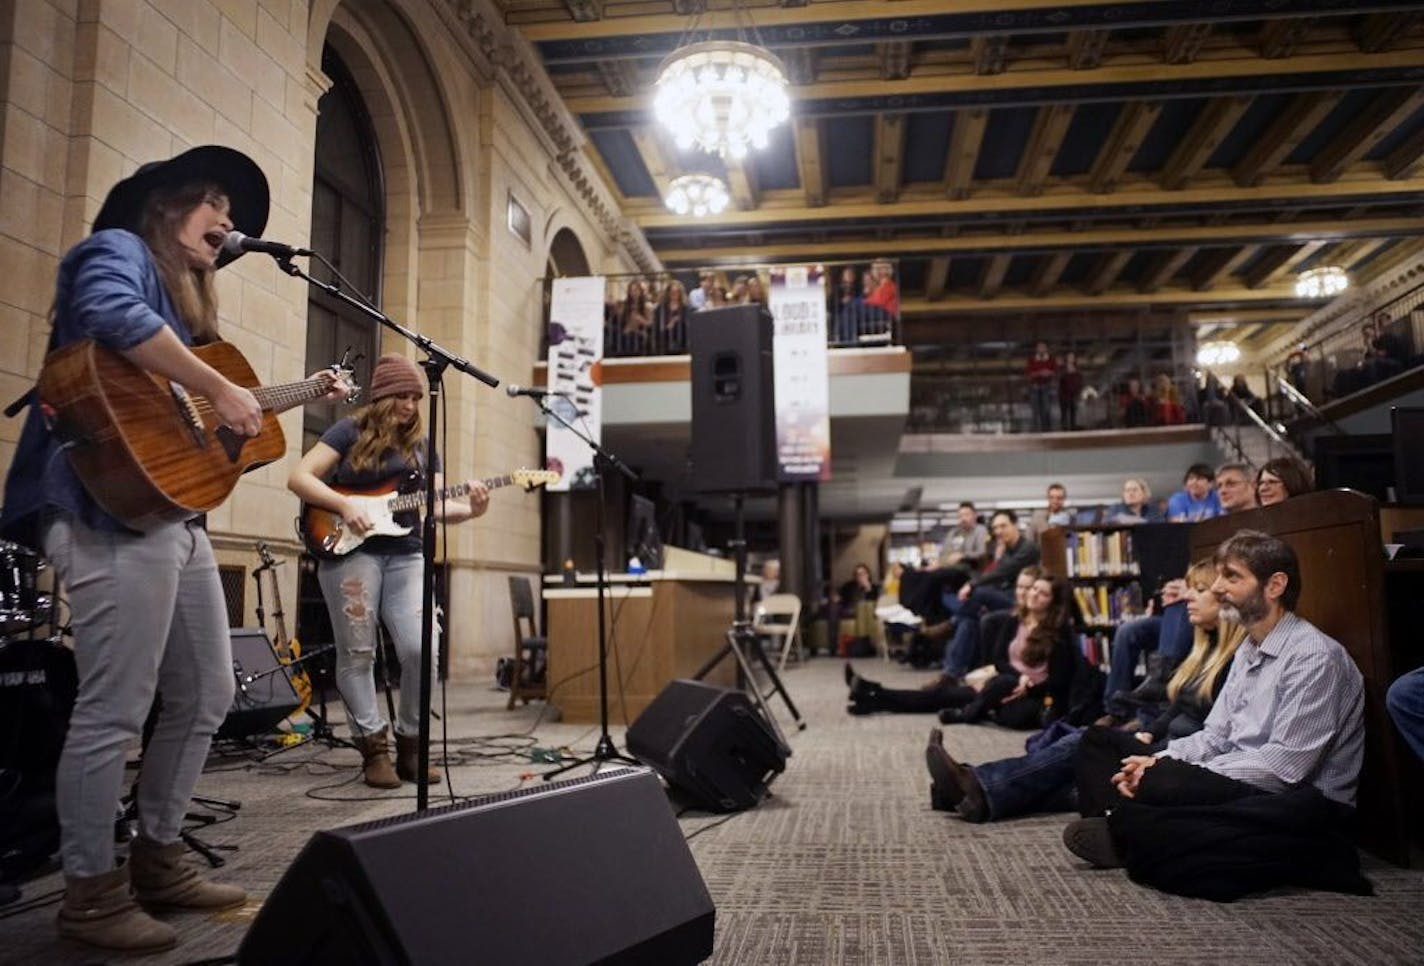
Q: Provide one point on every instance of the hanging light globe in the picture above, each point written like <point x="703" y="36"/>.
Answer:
<point x="1218" y="354"/>
<point x="698" y="195"/>
<point x="1321" y="283"/>
<point x="723" y="96"/>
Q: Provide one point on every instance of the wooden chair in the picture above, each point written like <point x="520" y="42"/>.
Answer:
<point x="531" y="650"/>
<point x="778" y="617"/>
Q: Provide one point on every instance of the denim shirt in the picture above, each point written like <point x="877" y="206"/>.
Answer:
<point x="108" y="290"/>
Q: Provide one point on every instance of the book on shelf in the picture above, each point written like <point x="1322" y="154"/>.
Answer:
<point x="1100" y="553"/>
<point x="1107" y="605"/>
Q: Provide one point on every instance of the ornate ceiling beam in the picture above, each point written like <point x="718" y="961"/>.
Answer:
<point x="889" y="156"/>
<point x="946" y="89"/>
<point x="1218" y="264"/>
<point x="1301" y="116"/>
<point x="989" y="53"/>
<point x="1182" y="42"/>
<point x="1348" y="254"/>
<point x="1085" y="48"/>
<point x="965" y="139"/>
<point x="742" y="184"/>
<point x="656" y="159"/>
<point x="1044" y="142"/>
<point x="1137" y="198"/>
<point x="1278" y="262"/>
<point x="894" y="57"/>
<point x="1280" y="38"/>
<point x="1107" y="270"/>
<point x="991" y="278"/>
<point x="1200" y="142"/>
<point x="1163" y="268"/>
<point x="1162" y="236"/>
<point x="937" y="278"/>
<point x="809" y="164"/>
<point x="1047" y="272"/>
<point x="1118" y="298"/>
<point x="1239" y="316"/>
<point x="1400" y="253"/>
<point x="1380" y="31"/>
<point x="1405" y="160"/>
<point x="1124" y="140"/>
<point x="1385" y="113"/>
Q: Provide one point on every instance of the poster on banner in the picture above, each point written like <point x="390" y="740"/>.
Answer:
<point x="575" y="378"/>
<point x="802" y="386"/>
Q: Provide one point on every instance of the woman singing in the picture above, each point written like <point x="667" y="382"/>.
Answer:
<point x="381" y="580"/>
<point x="147" y="609"/>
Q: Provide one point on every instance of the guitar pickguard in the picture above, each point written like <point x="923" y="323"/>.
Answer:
<point x="231" y="443"/>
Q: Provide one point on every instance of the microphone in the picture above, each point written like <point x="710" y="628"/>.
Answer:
<point x="513" y="390"/>
<point x="236" y="243"/>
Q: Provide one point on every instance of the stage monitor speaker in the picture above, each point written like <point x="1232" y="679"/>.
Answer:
<point x="264" y="694"/>
<point x="733" y="405"/>
<point x="710" y="744"/>
<point x="594" y="870"/>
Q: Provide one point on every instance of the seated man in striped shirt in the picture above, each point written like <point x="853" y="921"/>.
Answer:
<point x="1289" y="715"/>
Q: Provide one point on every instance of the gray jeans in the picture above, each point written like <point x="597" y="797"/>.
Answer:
<point x="360" y="589"/>
<point x="148" y="614"/>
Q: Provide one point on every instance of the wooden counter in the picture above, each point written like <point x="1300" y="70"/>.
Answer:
<point x="660" y="627"/>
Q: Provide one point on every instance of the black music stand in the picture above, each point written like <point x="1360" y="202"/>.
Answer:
<point x="437" y="360"/>
<point x="605" y="751"/>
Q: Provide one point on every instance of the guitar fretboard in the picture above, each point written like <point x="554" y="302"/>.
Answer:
<point x="283" y="397"/>
<point x="414" y="501"/>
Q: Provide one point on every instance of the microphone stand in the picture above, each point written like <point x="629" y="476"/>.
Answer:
<point x="605" y="750"/>
<point x="438" y="359"/>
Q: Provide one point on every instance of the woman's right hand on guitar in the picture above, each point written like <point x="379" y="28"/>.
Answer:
<point x="355" y="518"/>
<point x="237" y="408"/>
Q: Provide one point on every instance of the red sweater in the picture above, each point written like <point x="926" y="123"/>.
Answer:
<point x="1042" y="371"/>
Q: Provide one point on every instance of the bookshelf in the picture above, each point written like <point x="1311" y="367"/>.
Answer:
<point x="1102" y="568"/>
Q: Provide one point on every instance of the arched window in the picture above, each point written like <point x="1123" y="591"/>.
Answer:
<point x="348" y="225"/>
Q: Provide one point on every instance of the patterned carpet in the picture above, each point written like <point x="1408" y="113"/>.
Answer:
<point x="845" y="864"/>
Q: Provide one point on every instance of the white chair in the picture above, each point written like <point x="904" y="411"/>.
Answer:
<point x="779" y="617"/>
<point x="889" y="611"/>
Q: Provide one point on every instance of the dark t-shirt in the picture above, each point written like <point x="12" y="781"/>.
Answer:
<point x="408" y="476"/>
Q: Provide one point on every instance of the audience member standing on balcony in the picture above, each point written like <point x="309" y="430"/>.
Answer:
<point x="848" y="306"/>
<point x="1196" y="500"/>
<point x="1167" y="409"/>
<point x="633" y="318"/>
<point x="756" y="292"/>
<point x="967" y="543"/>
<point x="885" y="296"/>
<point x="1136" y="407"/>
<point x="1242" y="393"/>
<point x="702" y="294"/>
<point x="1136" y="505"/>
<point x="1280" y="479"/>
<point x="670" y="319"/>
<point x="1070" y="385"/>
<point x="1042" y="372"/>
<point x="737" y="294"/>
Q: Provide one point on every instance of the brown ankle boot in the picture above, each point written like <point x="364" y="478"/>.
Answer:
<point x="408" y="759"/>
<point x="162" y="880"/>
<point x="98" y="910"/>
<point x="376" y="761"/>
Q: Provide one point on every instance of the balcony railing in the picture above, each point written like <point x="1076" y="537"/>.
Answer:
<point x="648" y="315"/>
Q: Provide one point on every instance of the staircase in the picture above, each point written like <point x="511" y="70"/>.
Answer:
<point x="1254" y="443"/>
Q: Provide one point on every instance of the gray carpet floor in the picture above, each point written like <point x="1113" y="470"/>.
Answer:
<point x="845" y="864"/>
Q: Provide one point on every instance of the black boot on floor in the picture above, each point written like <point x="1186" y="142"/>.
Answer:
<point x="1090" y="840"/>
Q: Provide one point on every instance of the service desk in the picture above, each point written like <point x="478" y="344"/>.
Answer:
<point x="661" y="626"/>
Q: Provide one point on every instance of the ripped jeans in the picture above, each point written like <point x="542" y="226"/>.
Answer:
<point x="360" y="589"/>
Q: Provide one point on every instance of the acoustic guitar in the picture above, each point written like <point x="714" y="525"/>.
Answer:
<point x="148" y="451"/>
<point x="326" y="535"/>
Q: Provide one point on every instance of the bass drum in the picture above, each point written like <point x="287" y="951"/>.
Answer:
<point x="22" y="604"/>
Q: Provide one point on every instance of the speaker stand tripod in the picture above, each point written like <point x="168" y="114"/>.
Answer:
<point x="742" y="640"/>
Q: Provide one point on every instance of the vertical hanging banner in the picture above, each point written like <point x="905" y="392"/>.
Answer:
<point x="803" y="398"/>
<point x="576" y="373"/>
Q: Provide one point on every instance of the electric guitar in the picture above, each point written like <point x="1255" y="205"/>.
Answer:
<point x="287" y="649"/>
<point x="148" y="451"/>
<point x="326" y="535"/>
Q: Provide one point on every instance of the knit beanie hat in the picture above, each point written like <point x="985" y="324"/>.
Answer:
<point x="394" y="376"/>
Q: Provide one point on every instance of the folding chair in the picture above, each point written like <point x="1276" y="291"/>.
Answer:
<point x="779" y="617"/>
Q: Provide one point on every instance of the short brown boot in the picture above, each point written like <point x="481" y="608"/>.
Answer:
<point x="408" y="759"/>
<point x="162" y="880"/>
<point x="99" y="911"/>
<point x="376" y="761"/>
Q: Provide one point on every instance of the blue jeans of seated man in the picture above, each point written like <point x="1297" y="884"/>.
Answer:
<point x="1041" y="781"/>
<point x="1405" y="701"/>
<point x="962" y="651"/>
<point x="1169" y="635"/>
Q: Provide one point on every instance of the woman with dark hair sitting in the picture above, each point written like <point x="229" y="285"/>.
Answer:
<point x="1280" y="479"/>
<point x="1034" y="656"/>
<point x="1044" y="780"/>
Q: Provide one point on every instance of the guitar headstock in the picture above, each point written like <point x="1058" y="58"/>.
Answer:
<point x="529" y="479"/>
<point x="341" y="372"/>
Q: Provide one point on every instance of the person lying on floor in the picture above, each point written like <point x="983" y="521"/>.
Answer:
<point x="1264" y="793"/>
<point x="1035" y="658"/>
<point x="1043" y="780"/>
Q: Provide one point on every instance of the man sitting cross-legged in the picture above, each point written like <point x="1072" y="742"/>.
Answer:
<point x="1271" y="777"/>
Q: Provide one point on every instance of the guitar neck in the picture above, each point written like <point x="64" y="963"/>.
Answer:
<point x="282" y="397"/>
<point x="414" y="501"/>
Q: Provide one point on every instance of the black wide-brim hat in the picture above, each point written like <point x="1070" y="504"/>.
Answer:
<point x="238" y="175"/>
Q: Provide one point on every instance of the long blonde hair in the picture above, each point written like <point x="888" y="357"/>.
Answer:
<point x="380" y="432"/>
<point x="1203" y="665"/>
<point x="192" y="290"/>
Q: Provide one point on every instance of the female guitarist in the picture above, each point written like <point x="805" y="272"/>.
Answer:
<point x="147" y="607"/>
<point x="381" y="444"/>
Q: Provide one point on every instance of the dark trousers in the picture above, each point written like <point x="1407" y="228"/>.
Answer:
<point x="1167" y="783"/>
<point x="922" y="700"/>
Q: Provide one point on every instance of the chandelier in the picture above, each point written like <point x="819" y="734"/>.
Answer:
<point x="721" y="95"/>
<point x="1218" y="354"/>
<point x="1321" y="283"/>
<point x="699" y="195"/>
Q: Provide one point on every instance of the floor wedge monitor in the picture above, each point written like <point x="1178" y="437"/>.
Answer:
<point x="594" y="870"/>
